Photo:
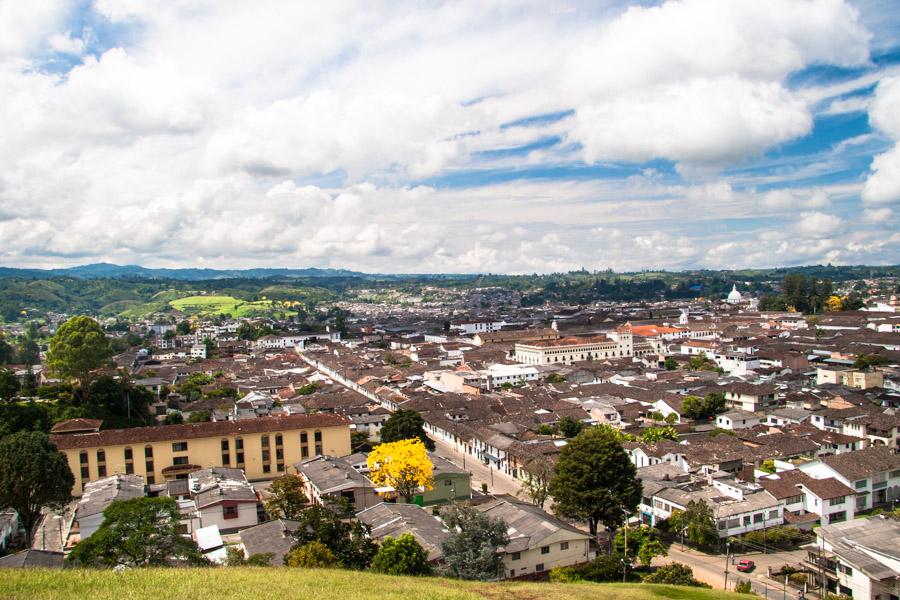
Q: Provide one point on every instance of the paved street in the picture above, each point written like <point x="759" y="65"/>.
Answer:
<point x="500" y="483"/>
<point x="711" y="569"/>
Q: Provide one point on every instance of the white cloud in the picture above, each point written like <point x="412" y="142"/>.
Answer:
<point x="879" y="216"/>
<point x="818" y="225"/>
<point x="883" y="183"/>
<point x="65" y="43"/>
<point x="269" y="133"/>
<point x="787" y="198"/>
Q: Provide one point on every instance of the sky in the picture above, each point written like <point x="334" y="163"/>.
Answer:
<point x="484" y="136"/>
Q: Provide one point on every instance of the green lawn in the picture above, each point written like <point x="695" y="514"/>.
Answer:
<point x="248" y="582"/>
<point x="221" y="305"/>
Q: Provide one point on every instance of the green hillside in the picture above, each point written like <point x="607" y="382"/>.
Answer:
<point x="283" y="583"/>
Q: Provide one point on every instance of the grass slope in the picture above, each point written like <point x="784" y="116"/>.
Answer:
<point x="222" y="305"/>
<point x="283" y="583"/>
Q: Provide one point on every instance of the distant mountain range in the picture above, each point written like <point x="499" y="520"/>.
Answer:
<point x="107" y="270"/>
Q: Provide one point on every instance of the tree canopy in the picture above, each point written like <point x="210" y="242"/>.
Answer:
<point x="9" y="385"/>
<point x="286" y="499"/>
<point x="595" y="480"/>
<point x="33" y="474"/>
<point x="697" y="522"/>
<point x="311" y="555"/>
<point x="405" y="425"/>
<point x="139" y="532"/>
<point x="471" y="549"/>
<point x="78" y="348"/>
<point x="401" y="556"/>
<point x="349" y="541"/>
<point x="403" y="465"/>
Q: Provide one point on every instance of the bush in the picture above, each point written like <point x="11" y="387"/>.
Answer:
<point x="779" y="537"/>
<point x="312" y="555"/>
<point x="743" y="587"/>
<point x="401" y="556"/>
<point x="798" y="578"/>
<point x="564" y="575"/>
<point x="674" y="574"/>
<point x="602" y="569"/>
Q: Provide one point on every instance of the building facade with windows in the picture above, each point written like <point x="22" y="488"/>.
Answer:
<point x="260" y="447"/>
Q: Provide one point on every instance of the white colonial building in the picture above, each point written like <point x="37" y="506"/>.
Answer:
<point x="618" y="343"/>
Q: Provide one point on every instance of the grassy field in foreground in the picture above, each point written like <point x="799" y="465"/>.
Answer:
<point x="248" y="582"/>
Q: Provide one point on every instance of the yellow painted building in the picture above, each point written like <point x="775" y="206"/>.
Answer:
<point x="263" y="447"/>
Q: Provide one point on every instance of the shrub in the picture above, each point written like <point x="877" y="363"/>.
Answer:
<point x="311" y="555"/>
<point x="798" y="578"/>
<point x="674" y="574"/>
<point x="743" y="587"/>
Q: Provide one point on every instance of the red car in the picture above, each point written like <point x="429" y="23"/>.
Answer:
<point x="745" y="565"/>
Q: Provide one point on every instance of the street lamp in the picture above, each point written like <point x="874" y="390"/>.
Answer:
<point x="624" y="568"/>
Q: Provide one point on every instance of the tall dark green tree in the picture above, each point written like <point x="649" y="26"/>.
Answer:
<point x="349" y="541"/>
<point x="140" y="532"/>
<point x="33" y="474"/>
<point x="286" y="499"/>
<point x="7" y="352"/>
<point x="9" y="385"/>
<point x="79" y="348"/>
<point x="405" y="425"/>
<point x="595" y="480"/>
<point x="401" y="556"/>
<point x="471" y="548"/>
<point x="696" y="522"/>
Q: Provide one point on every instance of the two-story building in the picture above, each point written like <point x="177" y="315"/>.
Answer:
<point x="260" y="447"/>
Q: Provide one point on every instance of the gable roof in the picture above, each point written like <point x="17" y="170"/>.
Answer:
<point x="863" y="463"/>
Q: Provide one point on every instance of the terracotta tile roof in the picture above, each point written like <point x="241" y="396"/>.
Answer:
<point x="72" y="425"/>
<point x="187" y="431"/>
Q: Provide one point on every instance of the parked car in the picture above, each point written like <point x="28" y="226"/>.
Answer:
<point x="745" y="565"/>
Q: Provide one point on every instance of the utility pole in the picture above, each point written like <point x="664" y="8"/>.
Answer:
<point x="727" y="553"/>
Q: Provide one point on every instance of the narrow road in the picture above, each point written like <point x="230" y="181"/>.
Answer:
<point x="497" y="481"/>
<point x="710" y="568"/>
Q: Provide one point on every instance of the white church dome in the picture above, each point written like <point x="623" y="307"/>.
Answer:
<point x="734" y="296"/>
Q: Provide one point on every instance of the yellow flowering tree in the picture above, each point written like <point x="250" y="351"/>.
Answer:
<point x="403" y="465"/>
<point x="834" y="304"/>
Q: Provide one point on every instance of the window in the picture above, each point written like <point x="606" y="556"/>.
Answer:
<point x="239" y="443"/>
<point x="180" y="460"/>
<point x="318" y="439"/>
<point x="230" y="512"/>
<point x="539" y="567"/>
<point x="836" y="501"/>
<point x="758" y="517"/>
<point x="280" y="467"/>
<point x="179" y="446"/>
<point x="267" y="467"/>
<point x="304" y="438"/>
<point x="101" y="470"/>
<point x="860" y="484"/>
<point x="101" y="456"/>
<point x="129" y="468"/>
<point x="447" y="483"/>
<point x="240" y="458"/>
<point x="148" y="452"/>
<point x="264" y="440"/>
<point x="224" y="445"/>
<point x="149" y="467"/>
<point x="747" y="520"/>
<point x="226" y="459"/>
<point x="564" y="546"/>
<point x="85" y="472"/>
<point x="83" y="458"/>
<point x="151" y="479"/>
<point x="545" y="550"/>
<point x="128" y="454"/>
<point x="279" y="440"/>
<point x="304" y="452"/>
<point x="266" y="456"/>
<point x="516" y="555"/>
<point x="773" y="514"/>
<point x="279" y="454"/>
<point x="318" y="436"/>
